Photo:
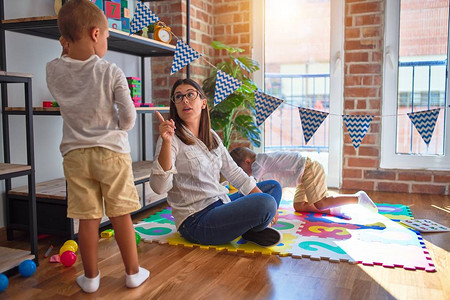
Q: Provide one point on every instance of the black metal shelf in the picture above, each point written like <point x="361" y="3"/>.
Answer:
<point x="120" y="41"/>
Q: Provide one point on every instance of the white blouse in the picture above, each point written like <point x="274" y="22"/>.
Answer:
<point x="195" y="177"/>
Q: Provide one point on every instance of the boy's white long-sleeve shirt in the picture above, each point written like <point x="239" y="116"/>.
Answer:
<point x="285" y="167"/>
<point x="195" y="177"/>
<point x="94" y="101"/>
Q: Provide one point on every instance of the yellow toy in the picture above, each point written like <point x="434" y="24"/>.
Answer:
<point x="107" y="233"/>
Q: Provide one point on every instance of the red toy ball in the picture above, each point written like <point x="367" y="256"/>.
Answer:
<point x="68" y="258"/>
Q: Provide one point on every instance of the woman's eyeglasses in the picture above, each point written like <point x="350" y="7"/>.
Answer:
<point x="190" y="96"/>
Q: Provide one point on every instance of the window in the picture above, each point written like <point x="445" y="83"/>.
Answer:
<point x="415" y="79"/>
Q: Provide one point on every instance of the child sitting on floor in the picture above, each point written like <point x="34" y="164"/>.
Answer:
<point x="291" y="169"/>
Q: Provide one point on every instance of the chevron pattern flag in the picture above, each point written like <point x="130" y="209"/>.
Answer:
<point x="143" y="17"/>
<point x="264" y="106"/>
<point x="357" y="126"/>
<point x="424" y="121"/>
<point x="225" y="85"/>
<point x="184" y="55"/>
<point x="311" y="120"/>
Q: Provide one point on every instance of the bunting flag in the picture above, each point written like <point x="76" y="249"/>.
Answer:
<point x="225" y="85"/>
<point x="143" y="17"/>
<point x="424" y="121"/>
<point x="357" y="126"/>
<point x="264" y="106"/>
<point x="311" y="120"/>
<point x="183" y="56"/>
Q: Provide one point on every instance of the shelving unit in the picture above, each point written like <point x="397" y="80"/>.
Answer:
<point x="51" y="195"/>
<point x="11" y="258"/>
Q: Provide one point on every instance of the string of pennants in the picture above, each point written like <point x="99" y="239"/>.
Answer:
<point x="265" y="105"/>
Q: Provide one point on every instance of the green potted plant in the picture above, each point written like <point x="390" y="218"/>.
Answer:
<point x="234" y="113"/>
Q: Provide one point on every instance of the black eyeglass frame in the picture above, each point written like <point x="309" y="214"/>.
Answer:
<point x="174" y="97"/>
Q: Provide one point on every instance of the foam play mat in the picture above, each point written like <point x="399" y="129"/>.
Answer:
<point x="368" y="238"/>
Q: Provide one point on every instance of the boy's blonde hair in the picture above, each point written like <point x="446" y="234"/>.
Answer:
<point x="240" y="154"/>
<point x="78" y="17"/>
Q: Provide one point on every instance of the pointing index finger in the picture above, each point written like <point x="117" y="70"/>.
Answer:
<point x="160" y="117"/>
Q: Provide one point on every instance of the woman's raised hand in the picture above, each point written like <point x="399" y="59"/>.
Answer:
<point x="166" y="128"/>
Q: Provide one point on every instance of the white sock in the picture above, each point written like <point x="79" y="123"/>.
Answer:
<point x="89" y="285"/>
<point x="137" y="279"/>
<point x="338" y="211"/>
<point x="365" y="201"/>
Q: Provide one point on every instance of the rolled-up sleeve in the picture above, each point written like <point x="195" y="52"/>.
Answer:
<point x="160" y="180"/>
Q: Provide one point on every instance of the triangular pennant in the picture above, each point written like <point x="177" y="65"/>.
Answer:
<point x="143" y="17"/>
<point x="357" y="126"/>
<point x="311" y="120"/>
<point x="225" y="85"/>
<point x="184" y="55"/>
<point x="424" y="121"/>
<point x="264" y="106"/>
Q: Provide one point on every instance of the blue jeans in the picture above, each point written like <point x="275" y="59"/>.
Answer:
<point x="221" y="223"/>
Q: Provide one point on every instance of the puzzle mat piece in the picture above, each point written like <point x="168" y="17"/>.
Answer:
<point x="237" y="245"/>
<point x="155" y="232"/>
<point x="372" y="253"/>
<point x="394" y="209"/>
<point x="319" y="249"/>
<point x="162" y="216"/>
<point x="394" y="233"/>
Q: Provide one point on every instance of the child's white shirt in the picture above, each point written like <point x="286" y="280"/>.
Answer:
<point x="285" y="167"/>
<point x="94" y="101"/>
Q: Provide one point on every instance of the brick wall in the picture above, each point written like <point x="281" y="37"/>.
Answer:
<point x="223" y="20"/>
<point x="364" y="29"/>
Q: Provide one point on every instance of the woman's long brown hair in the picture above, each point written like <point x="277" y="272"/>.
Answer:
<point x="204" y="133"/>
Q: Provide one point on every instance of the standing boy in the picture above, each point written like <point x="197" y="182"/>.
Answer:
<point x="97" y="112"/>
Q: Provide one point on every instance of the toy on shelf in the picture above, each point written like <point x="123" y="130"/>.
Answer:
<point x="134" y="84"/>
<point x="47" y="103"/>
<point x="27" y="268"/>
<point x="107" y="233"/>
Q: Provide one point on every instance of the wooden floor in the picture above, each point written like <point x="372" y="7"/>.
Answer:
<point x="182" y="273"/>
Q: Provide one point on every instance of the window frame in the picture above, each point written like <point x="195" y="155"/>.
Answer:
<point x="389" y="158"/>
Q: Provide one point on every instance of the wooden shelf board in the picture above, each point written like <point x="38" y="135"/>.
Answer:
<point x="10" y="258"/>
<point x="118" y="41"/>
<point x="56" y="188"/>
<point x="15" y="74"/>
<point x="56" y="109"/>
<point x="12" y="168"/>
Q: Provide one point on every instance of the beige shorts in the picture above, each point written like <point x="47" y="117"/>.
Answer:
<point x="312" y="187"/>
<point x="99" y="178"/>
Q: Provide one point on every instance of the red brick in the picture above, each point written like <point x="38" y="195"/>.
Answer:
<point x="393" y="187"/>
<point x="379" y="174"/>
<point x="361" y="92"/>
<point x="352" y="173"/>
<point x="370" y="32"/>
<point x="428" y="189"/>
<point x="414" y="176"/>
<point x="365" y="69"/>
<point x="442" y="178"/>
<point x="351" y="33"/>
<point x="356" y="45"/>
<point x="373" y="19"/>
<point x="362" y="56"/>
<point x="368" y="151"/>
<point x="363" y="162"/>
<point x="352" y="184"/>
<point x="366" y="7"/>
